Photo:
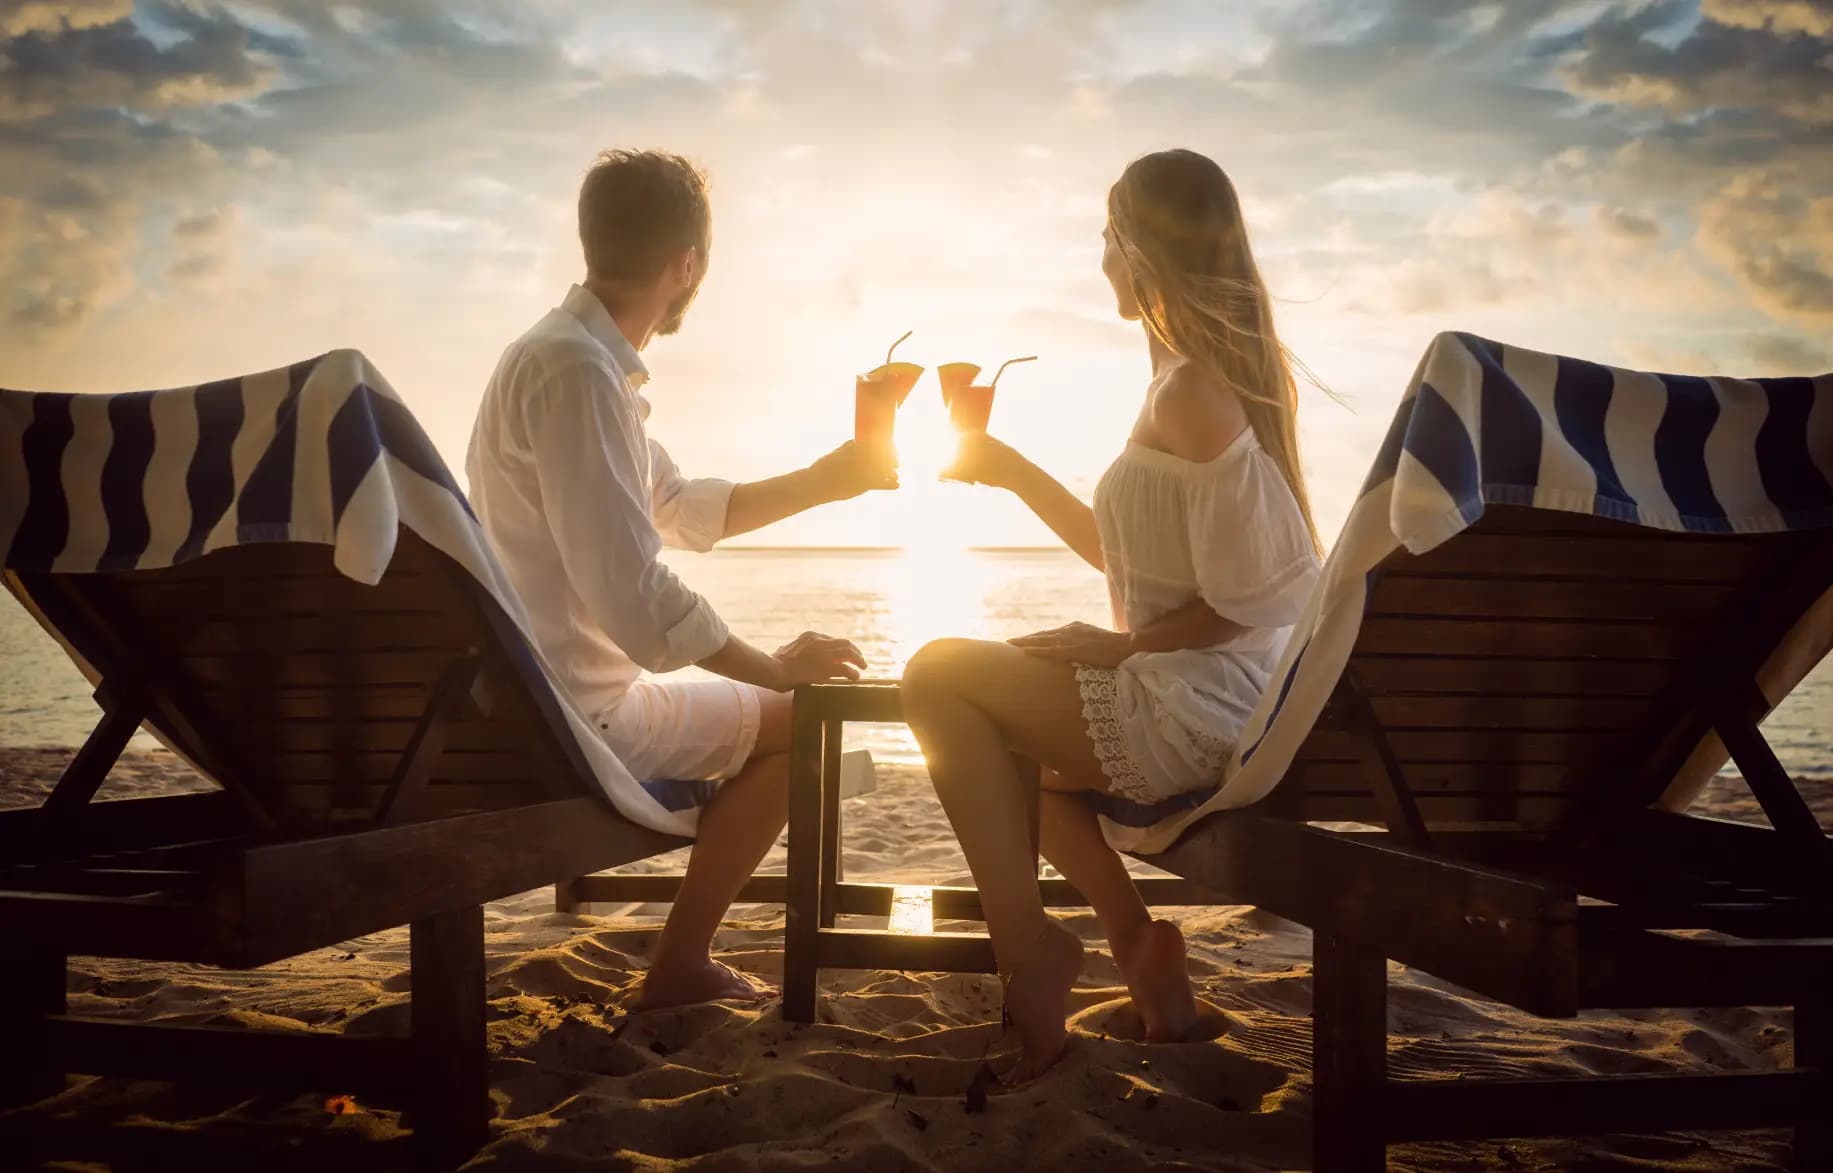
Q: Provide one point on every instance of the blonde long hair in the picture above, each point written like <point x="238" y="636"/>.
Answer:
<point x="1178" y="223"/>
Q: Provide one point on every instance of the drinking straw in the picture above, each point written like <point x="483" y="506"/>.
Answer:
<point x="897" y="344"/>
<point x="1002" y="368"/>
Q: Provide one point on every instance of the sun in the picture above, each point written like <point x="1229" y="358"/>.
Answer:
<point x="926" y="512"/>
<point x="925" y="441"/>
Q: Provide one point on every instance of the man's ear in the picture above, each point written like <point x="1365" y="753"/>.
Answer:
<point x="687" y="266"/>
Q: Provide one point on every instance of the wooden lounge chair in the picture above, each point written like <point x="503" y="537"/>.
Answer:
<point x="1516" y="702"/>
<point x="387" y="755"/>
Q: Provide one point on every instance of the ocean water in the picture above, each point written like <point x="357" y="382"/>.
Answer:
<point x="890" y="602"/>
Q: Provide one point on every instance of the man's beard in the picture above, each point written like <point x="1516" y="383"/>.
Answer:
<point x="677" y="310"/>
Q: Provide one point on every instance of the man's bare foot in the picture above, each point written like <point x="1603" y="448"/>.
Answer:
<point x="1158" y="979"/>
<point x="1037" y="1001"/>
<point x="707" y="981"/>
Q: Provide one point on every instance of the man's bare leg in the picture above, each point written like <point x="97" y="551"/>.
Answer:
<point x="736" y="830"/>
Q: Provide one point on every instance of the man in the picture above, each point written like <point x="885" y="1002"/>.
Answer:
<point x="578" y="501"/>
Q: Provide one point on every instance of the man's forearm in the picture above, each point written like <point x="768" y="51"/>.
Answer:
<point x="1194" y="625"/>
<point x="757" y="504"/>
<point x="738" y="660"/>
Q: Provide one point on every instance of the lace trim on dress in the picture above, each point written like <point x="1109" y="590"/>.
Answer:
<point x="1100" y="698"/>
<point x="1212" y="753"/>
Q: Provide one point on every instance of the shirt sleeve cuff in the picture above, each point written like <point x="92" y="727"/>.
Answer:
<point x="700" y="517"/>
<point x="699" y="634"/>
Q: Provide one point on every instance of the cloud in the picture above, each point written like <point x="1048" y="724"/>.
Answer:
<point x="1788" y="354"/>
<point x="59" y="270"/>
<point x="1438" y="286"/>
<point x="195" y="267"/>
<point x="1502" y="215"/>
<point x="203" y="242"/>
<point x="19" y="17"/>
<point x="1492" y="249"/>
<point x="1670" y="357"/>
<point x="1778" y="243"/>
<point x="1814" y="17"/>
<point x="115" y="66"/>
<point x="1669" y="170"/>
<point x="1626" y="225"/>
<point x="83" y="187"/>
<point x="205" y="225"/>
<point x="1760" y="65"/>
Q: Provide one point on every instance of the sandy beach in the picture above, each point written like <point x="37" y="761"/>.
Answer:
<point x="881" y="1081"/>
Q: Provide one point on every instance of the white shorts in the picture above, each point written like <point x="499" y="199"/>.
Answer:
<point x="682" y="730"/>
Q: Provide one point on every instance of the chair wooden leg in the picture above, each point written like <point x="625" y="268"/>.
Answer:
<point x="1349" y="1055"/>
<point x="566" y="895"/>
<point x="802" y="908"/>
<point x="31" y="986"/>
<point x="1814" y="1048"/>
<point x="452" y="1106"/>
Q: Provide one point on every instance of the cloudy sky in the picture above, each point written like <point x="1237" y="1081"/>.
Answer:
<point x="191" y="188"/>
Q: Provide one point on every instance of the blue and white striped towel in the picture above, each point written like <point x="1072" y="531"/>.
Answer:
<point x="1486" y="424"/>
<point x="322" y="451"/>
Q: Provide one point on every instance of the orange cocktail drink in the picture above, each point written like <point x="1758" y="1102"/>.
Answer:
<point x="878" y="394"/>
<point x="970" y="404"/>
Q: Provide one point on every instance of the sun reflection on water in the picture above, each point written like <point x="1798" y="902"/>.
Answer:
<point x="938" y="586"/>
<point x="934" y="586"/>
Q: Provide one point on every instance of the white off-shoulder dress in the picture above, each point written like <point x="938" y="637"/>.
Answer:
<point x="1230" y="531"/>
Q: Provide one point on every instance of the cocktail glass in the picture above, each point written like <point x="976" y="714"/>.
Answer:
<point x="878" y="394"/>
<point x="970" y="404"/>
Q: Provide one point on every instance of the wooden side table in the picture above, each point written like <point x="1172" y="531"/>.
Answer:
<point x="817" y="893"/>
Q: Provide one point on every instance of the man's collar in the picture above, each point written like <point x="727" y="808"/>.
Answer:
<point x="583" y="304"/>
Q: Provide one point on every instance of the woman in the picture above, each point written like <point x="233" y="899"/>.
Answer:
<point x="1203" y="530"/>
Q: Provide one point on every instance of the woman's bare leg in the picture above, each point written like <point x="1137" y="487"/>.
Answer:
<point x="969" y="702"/>
<point x="967" y="750"/>
<point x="1150" y="953"/>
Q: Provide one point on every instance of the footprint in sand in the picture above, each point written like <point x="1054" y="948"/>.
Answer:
<point x="1116" y="1018"/>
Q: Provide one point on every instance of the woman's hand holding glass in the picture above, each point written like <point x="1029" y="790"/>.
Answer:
<point x="982" y="460"/>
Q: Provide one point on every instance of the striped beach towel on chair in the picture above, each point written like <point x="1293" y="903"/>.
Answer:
<point x="322" y="451"/>
<point x="1484" y="424"/>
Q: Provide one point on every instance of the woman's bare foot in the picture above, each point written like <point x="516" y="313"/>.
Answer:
<point x="1158" y="978"/>
<point x="708" y="981"/>
<point x="1037" y="1001"/>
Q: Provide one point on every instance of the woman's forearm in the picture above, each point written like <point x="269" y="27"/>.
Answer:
<point x="1194" y="625"/>
<point x="1066" y="514"/>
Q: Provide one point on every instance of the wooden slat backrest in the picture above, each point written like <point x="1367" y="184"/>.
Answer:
<point x="306" y="686"/>
<point x="1505" y="666"/>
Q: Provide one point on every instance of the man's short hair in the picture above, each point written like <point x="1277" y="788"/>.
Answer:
<point x="638" y="210"/>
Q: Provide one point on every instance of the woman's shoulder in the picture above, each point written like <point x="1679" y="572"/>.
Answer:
<point x="1193" y="415"/>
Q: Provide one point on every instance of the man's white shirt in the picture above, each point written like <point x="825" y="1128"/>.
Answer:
<point x="578" y="503"/>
